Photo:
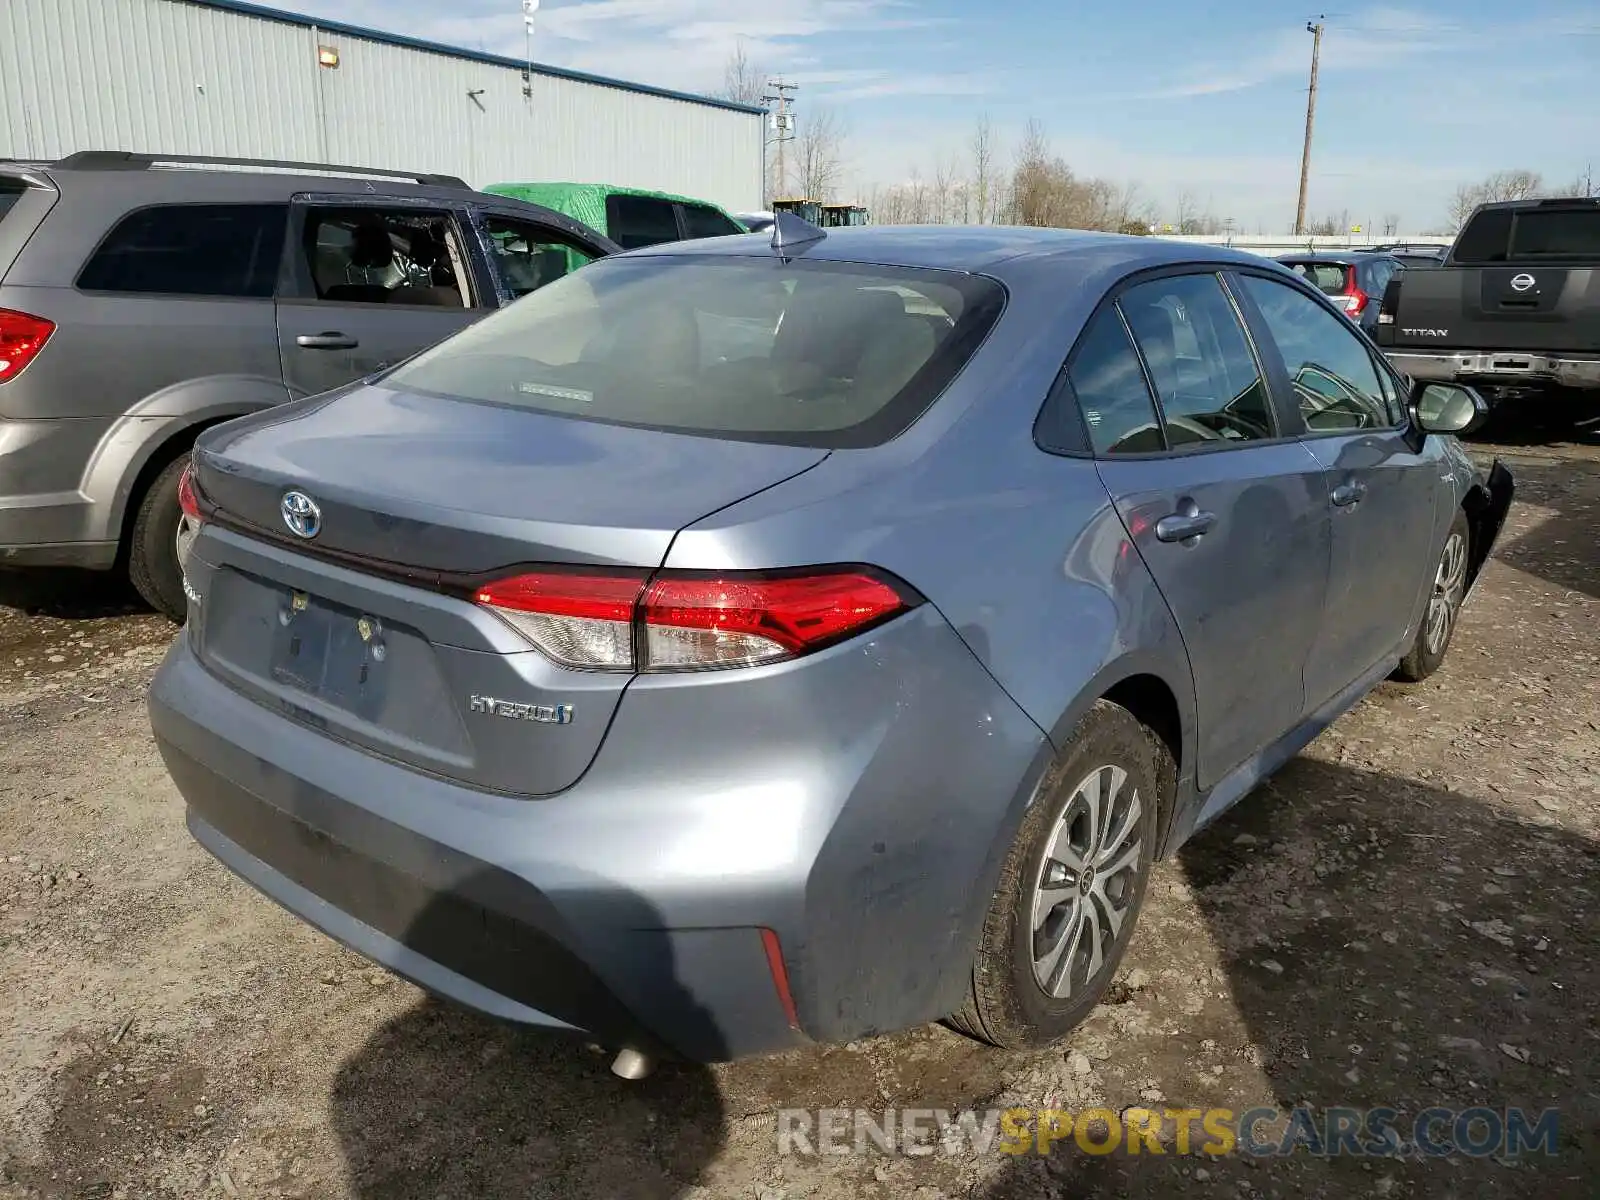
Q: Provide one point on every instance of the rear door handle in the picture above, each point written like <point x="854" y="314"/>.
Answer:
<point x="1347" y="494"/>
<point x="1188" y="523"/>
<point x="329" y="340"/>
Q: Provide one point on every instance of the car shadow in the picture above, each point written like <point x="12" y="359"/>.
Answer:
<point x="1543" y="421"/>
<point x="1559" y="548"/>
<point x="1390" y="944"/>
<point x="68" y="594"/>
<point x="445" y="1102"/>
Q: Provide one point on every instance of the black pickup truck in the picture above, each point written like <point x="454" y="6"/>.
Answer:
<point x="1513" y="311"/>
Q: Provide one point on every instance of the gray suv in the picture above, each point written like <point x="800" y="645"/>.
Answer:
<point x="146" y="298"/>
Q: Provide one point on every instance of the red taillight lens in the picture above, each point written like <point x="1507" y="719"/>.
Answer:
<point x="733" y="621"/>
<point x="188" y="501"/>
<point x="21" y="338"/>
<point x="1355" y="300"/>
<point x="604" y="620"/>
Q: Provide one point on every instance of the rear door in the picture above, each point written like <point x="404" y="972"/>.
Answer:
<point x="1228" y="513"/>
<point x="368" y="283"/>
<point x="1382" y="482"/>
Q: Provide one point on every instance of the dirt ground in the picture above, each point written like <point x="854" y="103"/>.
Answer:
<point x="1407" y="915"/>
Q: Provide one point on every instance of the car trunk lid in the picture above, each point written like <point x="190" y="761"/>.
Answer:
<point x="368" y="630"/>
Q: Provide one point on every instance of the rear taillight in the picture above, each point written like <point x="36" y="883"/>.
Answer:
<point x="188" y="500"/>
<point x="690" y="621"/>
<point x="21" y="338"/>
<point x="1355" y="301"/>
<point x="579" y="619"/>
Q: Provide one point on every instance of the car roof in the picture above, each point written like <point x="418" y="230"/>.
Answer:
<point x="562" y="190"/>
<point x="970" y="248"/>
<point x="162" y="172"/>
<point x="1566" y="202"/>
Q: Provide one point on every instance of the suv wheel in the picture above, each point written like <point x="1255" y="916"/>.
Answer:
<point x="1071" y="888"/>
<point x="153" y="564"/>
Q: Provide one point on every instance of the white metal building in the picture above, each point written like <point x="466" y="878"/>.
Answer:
<point x="226" y="78"/>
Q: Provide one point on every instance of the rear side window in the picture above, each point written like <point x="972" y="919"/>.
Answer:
<point x="635" y="221"/>
<point x="805" y="353"/>
<point x="1328" y="278"/>
<point x="1199" y="360"/>
<point x="1112" y="393"/>
<point x="385" y="256"/>
<point x="703" y="222"/>
<point x="191" y="250"/>
<point x="1486" y="238"/>
<point x="1557" y="233"/>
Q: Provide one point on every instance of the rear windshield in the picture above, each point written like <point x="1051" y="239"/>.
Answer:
<point x="1326" y="277"/>
<point x="807" y="353"/>
<point x="1502" y="235"/>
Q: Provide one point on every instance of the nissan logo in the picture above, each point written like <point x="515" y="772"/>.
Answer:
<point x="301" y="514"/>
<point x="1523" y="282"/>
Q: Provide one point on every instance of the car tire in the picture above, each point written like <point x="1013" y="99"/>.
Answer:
<point x="1446" y="591"/>
<point x="1046" y="904"/>
<point x="153" y="545"/>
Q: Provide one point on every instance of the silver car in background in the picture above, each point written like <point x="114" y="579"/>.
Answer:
<point x="740" y="644"/>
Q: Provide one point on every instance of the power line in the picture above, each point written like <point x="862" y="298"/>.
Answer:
<point x="783" y="126"/>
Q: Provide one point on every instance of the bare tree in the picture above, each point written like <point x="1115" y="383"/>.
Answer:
<point x="983" y="172"/>
<point x="944" y="175"/>
<point x="917" y="199"/>
<point x="1391" y="224"/>
<point x="820" y="155"/>
<point x="1502" y="185"/>
<point x="743" y="82"/>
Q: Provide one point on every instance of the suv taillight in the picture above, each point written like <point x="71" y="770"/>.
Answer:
<point x="22" y="336"/>
<point x="690" y="621"/>
<point x="1354" y="300"/>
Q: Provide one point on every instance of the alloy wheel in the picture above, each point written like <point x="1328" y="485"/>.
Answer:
<point x="1086" y="882"/>
<point x="1449" y="588"/>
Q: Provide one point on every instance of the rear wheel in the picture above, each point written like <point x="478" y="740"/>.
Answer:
<point x="1071" y="888"/>
<point x="1445" y="597"/>
<point x="153" y="565"/>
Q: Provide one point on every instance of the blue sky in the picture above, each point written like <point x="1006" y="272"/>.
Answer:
<point x="1206" y="100"/>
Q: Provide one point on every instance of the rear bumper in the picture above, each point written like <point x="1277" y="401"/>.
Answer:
<point x="631" y="906"/>
<point x="1508" y="368"/>
<point x="45" y="518"/>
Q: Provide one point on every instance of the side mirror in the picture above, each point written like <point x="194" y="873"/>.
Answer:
<point x="1447" y="408"/>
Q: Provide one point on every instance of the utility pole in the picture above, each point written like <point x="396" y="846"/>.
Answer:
<point x="783" y="126"/>
<point x="1315" y="30"/>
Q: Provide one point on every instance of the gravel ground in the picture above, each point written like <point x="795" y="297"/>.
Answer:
<point x="1404" y="916"/>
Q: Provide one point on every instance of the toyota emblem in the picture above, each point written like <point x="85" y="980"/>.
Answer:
<point x="1521" y="283"/>
<point x="301" y="514"/>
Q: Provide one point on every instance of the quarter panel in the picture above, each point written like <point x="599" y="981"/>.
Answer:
<point x="1020" y="550"/>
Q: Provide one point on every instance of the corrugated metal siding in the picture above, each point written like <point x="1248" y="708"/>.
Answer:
<point x="166" y="76"/>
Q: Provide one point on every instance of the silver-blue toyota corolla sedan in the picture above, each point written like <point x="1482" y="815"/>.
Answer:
<point x="745" y="643"/>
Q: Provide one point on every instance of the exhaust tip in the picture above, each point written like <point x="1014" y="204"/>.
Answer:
<point x="632" y="1065"/>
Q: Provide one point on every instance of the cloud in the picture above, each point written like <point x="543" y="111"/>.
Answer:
<point x="1373" y="41"/>
<point x="682" y="44"/>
